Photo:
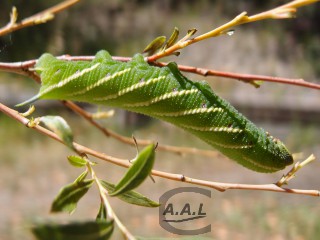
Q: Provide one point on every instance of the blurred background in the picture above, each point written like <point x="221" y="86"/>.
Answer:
<point x="33" y="167"/>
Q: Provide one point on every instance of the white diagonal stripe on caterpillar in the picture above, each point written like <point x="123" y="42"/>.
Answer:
<point x="162" y="97"/>
<point x="190" y="112"/>
<point x="100" y="81"/>
<point x="213" y="129"/>
<point x="130" y="89"/>
<point x="228" y="146"/>
<point x="74" y="76"/>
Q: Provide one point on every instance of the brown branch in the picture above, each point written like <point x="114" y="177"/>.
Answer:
<point x="39" y="18"/>
<point x="284" y="11"/>
<point x="23" y="68"/>
<point x="245" y="77"/>
<point x="171" y="176"/>
<point x="142" y="142"/>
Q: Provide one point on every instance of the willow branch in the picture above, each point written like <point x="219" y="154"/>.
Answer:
<point x="39" y="18"/>
<point x="141" y="142"/>
<point x="287" y="10"/>
<point x="282" y="12"/>
<point x="23" y="69"/>
<point x="110" y="212"/>
<point x="171" y="176"/>
<point x="248" y="78"/>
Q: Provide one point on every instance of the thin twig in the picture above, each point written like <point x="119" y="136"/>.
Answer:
<point x="296" y="167"/>
<point x="39" y="18"/>
<point x="245" y="77"/>
<point x="141" y="142"/>
<point x="284" y="11"/>
<point x="110" y="212"/>
<point x="281" y="12"/>
<point x="175" y="177"/>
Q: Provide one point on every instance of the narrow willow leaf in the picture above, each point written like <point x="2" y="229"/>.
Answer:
<point x="60" y="127"/>
<point x="256" y="83"/>
<point x="131" y="197"/>
<point x="191" y="32"/>
<point x="68" y="197"/>
<point x="138" y="172"/>
<point x="155" y="45"/>
<point x="81" y="177"/>
<point x="173" y="38"/>
<point x="77" y="161"/>
<point x="92" y="230"/>
<point x="102" y="214"/>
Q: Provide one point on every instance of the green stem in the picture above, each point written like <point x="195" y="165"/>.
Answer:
<point x="110" y="212"/>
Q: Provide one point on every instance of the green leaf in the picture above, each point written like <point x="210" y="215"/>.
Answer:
<point x="81" y="177"/>
<point x="191" y="32"/>
<point x="102" y="214"/>
<point x="256" y="83"/>
<point x="69" y="195"/>
<point x="77" y="161"/>
<point x="173" y="38"/>
<point x="60" y="127"/>
<point x="91" y="230"/>
<point x="138" y="172"/>
<point x="155" y="45"/>
<point x="131" y="197"/>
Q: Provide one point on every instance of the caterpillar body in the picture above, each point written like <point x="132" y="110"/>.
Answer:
<point x="166" y="94"/>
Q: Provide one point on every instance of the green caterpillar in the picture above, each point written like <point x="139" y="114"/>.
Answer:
<point x="163" y="93"/>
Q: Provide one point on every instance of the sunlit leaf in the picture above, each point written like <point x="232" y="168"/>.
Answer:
<point x="69" y="195"/>
<point x="155" y="45"/>
<point x="93" y="230"/>
<point x="256" y="83"/>
<point x="138" y="172"/>
<point x="77" y="161"/>
<point x="82" y="176"/>
<point x="60" y="127"/>
<point x="173" y="38"/>
<point x="131" y="197"/>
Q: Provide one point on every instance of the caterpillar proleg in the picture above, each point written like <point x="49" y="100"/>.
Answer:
<point x="166" y="94"/>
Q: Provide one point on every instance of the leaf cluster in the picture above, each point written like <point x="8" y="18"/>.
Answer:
<point x="69" y="195"/>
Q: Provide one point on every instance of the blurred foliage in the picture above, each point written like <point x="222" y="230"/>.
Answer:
<point x="93" y="25"/>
